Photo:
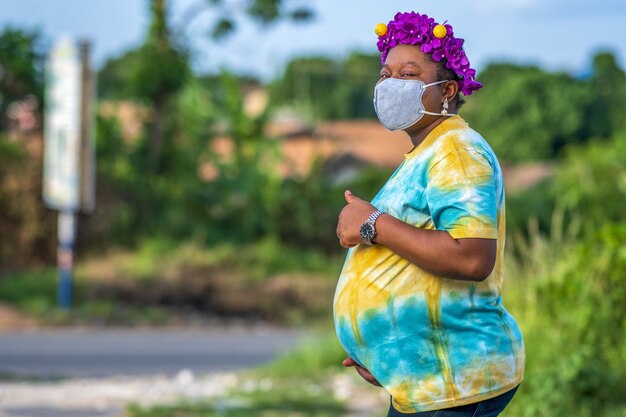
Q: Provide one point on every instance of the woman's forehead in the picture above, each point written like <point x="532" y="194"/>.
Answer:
<point x="408" y="54"/>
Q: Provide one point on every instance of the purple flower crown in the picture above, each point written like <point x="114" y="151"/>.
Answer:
<point x="416" y="29"/>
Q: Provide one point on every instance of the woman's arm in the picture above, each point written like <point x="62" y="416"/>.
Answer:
<point x="434" y="251"/>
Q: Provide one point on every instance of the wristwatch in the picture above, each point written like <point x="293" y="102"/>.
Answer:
<point x="368" y="228"/>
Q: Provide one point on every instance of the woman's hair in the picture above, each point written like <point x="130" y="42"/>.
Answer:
<point x="445" y="73"/>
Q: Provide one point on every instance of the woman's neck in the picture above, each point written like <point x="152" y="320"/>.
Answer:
<point x="419" y="136"/>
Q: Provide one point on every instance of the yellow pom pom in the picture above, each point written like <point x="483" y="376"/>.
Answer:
<point x="440" y="31"/>
<point x="380" y="29"/>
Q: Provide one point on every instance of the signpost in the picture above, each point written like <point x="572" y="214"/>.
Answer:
<point x="69" y="152"/>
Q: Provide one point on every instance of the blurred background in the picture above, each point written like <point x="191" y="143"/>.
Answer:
<point x="225" y="133"/>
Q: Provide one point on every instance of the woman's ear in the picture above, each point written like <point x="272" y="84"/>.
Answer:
<point x="450" y="90"/>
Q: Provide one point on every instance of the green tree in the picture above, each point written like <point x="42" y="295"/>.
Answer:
<point x="307" y="85"/>
<point x="21" y="68"/>
<point x="359" y="74"/>
<point x="608" y="83"/>
<point x="527" y="113"/>
<point x="157" y="71"/>
<point x="323" y="88"/>
<point x="153" y="182"/>
<point x="158" y="74"/>
<point x="244" y="196"/>
<point x="114" y="78"/>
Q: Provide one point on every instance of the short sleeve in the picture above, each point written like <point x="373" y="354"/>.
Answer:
<point x="461" y="194"/>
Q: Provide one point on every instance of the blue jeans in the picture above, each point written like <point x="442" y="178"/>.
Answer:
<point x="488" y="408"/>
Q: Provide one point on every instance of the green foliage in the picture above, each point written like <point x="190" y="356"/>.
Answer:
<point x="307" y="85"/>
<point x="530" y="114"/>
<point x="25" y="225"/>
<point x="33" y="291"/>
<point x="269" y="257"/>
<point x="310" y="207"/>
<point x="322" y="88"/>
<point x="133" y="198"/>
<point x="274" y="401"/>
<point x="153" y="74"/>
<point x="21" y="68"/>
<point x="114" y="78"/>
<point x="246" y="201"/>
<point x="128" y="194"/>
<point x="244" y="194"/>
<point x="536" y="204"/>
<point x="355" y="91"/>
<point x="568" y="291"/>
<point x="592" y="180"/>
<point x="308" y="211"/>
<point x="163" y="164"/>
<point x="609" y="87"/>
<point x="569" y="297"/>
<point x="155" y="82"/>
<point x="527" y="113"/>
<point x="589" y="184"/>
<point x="164" y="279"/>
<point x="158" y="258"/>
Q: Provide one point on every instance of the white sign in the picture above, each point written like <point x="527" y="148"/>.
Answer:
<point x="61" y="188"/>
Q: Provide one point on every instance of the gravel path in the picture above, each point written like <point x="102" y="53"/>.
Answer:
<point x="108" y="397"/>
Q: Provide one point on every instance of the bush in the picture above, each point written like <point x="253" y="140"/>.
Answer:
<point x="570" y="299"/>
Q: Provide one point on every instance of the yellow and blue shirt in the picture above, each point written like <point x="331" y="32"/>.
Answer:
<point x="434" y="342"/>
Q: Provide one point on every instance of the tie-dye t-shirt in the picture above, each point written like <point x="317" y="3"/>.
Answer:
<point x="434" y="342"/>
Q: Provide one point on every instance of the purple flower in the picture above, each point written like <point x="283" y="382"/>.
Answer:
<point x="438" y="55"/>
<point x="408" y="27"/>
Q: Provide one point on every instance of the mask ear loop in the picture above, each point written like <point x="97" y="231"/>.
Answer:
<point x="444" y="109"/>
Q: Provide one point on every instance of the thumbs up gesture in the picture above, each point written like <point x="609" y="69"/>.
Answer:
<point x="351" y="218"/>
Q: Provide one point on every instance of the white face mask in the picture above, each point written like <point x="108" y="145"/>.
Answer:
<point x="398" y="103"/>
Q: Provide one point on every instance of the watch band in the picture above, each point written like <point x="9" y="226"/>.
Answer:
<point x="370" y="221"/>
<point x="374" y="216"/>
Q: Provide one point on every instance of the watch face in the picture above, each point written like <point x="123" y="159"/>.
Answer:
<point x="367" y="232"/>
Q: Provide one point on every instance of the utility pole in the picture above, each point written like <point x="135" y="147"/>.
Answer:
<point x="69" y="151"/>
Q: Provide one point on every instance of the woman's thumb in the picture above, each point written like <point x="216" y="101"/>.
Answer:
<point x="348" y="362"/>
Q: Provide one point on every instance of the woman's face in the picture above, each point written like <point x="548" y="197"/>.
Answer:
<point x="408" y="62"/>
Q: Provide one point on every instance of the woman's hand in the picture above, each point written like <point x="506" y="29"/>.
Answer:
<point x="351" y="218"/>
<point x="365" y="374"/>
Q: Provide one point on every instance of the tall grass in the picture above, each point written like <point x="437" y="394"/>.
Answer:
<point x="567" y="291"/>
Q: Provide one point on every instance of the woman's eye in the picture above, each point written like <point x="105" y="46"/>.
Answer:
<point x="407" y="75"/>
<point x="383" y="76"/>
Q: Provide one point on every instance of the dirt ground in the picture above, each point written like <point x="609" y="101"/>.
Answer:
<point x="12" y="319"/>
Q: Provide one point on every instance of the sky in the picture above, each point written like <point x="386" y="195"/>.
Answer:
<point x="558" y="35"/>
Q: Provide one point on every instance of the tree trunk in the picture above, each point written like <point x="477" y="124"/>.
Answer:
<point x="157" y="134"/>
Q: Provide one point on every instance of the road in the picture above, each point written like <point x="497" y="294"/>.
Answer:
<point x="95" y="373"/>
<point x="100" y="353"/>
